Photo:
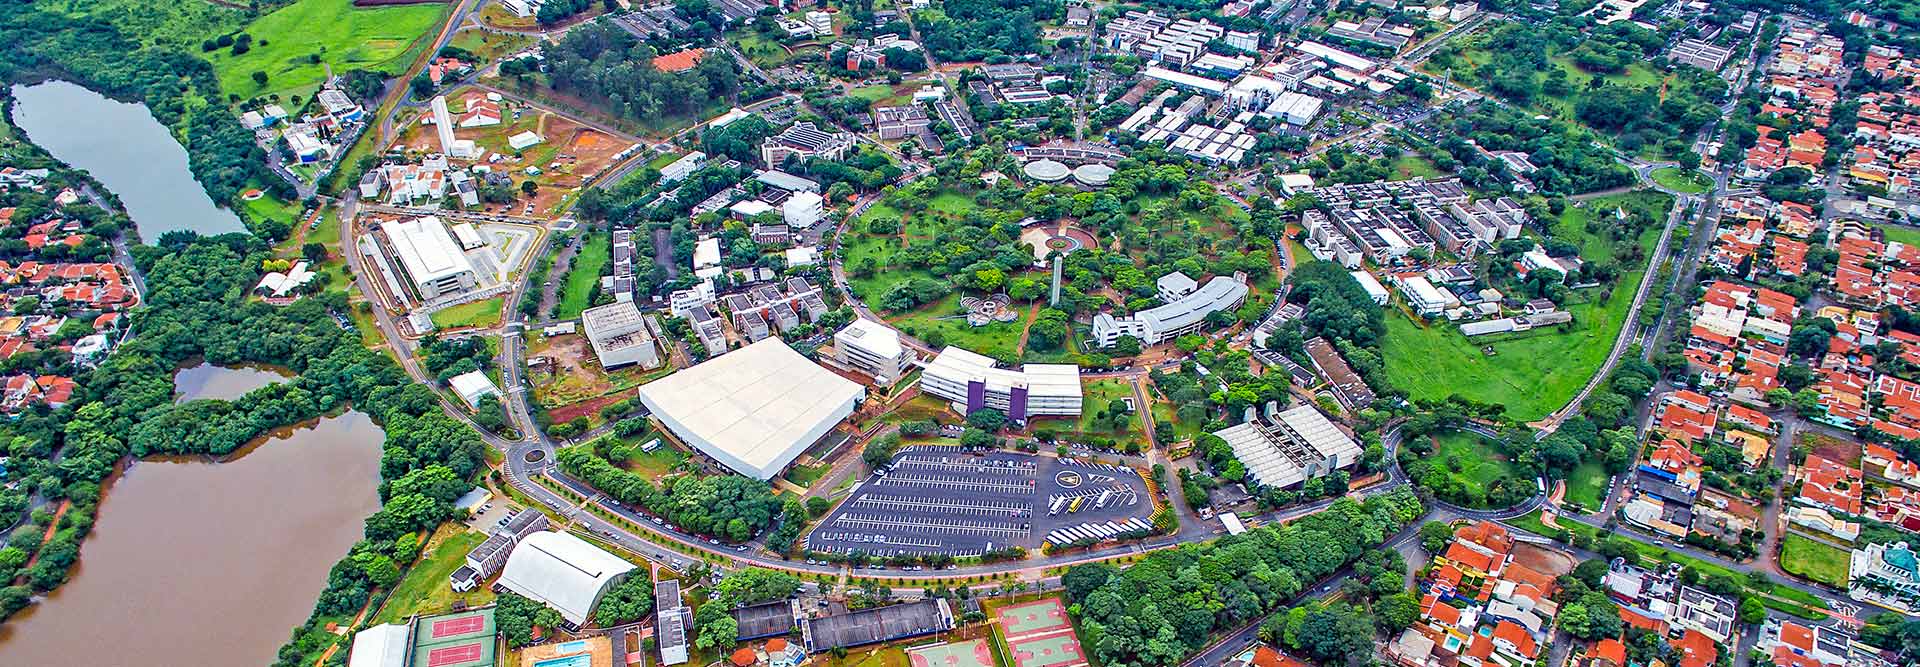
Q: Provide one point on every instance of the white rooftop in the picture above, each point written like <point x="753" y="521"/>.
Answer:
<point x="563" y="572"/>
<point x="1041" y="380"/>
<point x="426" y="249"/>
<point x="754" y="404"/>
<point x="871" y="336"/>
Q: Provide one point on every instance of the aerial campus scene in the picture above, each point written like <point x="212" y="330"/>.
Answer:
<point x="960" y="333"/>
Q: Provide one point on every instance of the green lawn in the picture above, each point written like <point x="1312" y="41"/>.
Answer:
<point x="1471" y="459"/>
<point x="763" y="51"/>
<point x="269" y="207"/>
<point x="805" y="475"/>
<point x="1821" y="562"/>
<point x="1096" y="396"/>
<point x="1533" y="373"/>
<point x="1901" y="233"/>
<point x="1411" y="166"/>
<point x="593" y="257"/>
<point x="424" y="588"/>
<point x="1682" y="180"/>
<point x="490" y="45"/>
<point x="481" y="314"/>
<point x="286" y="42"/>
<point x="1587" y="484"/>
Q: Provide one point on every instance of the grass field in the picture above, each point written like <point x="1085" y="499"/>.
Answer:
<point x="593" y="257"/>
<point x="1471" y="459"/>
<point x="997" y="339"/>
<point x="1097" y="394"/>
<point x="1412" y="166"/>
<point x="1821" y="562"/>
<point x="1681" y="180"/>
<point x="287" y="41"/>
<point x="482" y="314"/>
<point x="490" y="45"/>
<point x="1901" y="233"/>
<point x="1587" y="484"/>
<point x="424" y="588"/>
<point x="1534" y="373"/>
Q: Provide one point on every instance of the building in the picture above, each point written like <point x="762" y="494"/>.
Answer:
<point x="872" y="348"/>
<point x="1166" y="322"/>
<point x="1887" y="573"/>
<point x="805" y="140"/>
<point x="803" y="210"/>
<point x="1701" y="54"/>
<point x="1300" y="444"/>
<point x="900" y="122"/>
<point x="430" y="257"/>
<point x="876" y="624"/>
<point x="683" y="167"/>
<point x="471" y="387"/>
<point x="564" y="572"/>
<point x="619" y="335"/>
<point x="486" y="559"/>
<point x="1424" y="298"/>
<point x="671" y="618"/>
<point x="973" y="381"/>
<point x="1348" y="389"/>
<point x="754" y="409"/>
<point x="821" y="23"/>
<point x="443" y="130"/>
<point x="383" y="645"/>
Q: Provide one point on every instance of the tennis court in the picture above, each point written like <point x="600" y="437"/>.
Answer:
<point x="459" y="625"/>
<point x="1060" y="649"/>
<point x="1031" y="617"/>
<point x="453" y="655"/>
<point x="971" y="653"/>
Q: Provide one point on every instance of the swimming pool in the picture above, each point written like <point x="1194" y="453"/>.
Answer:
<point x="575" y="646"/>
<point x="575" y="660"/>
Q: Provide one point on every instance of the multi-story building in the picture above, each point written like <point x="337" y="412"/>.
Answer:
<point x="805" y="140"/>
<point x="619" y="335"/>
<point x="973" y="381"/>
<point x="1166" y="322"/>
<point x="872" y="348"/>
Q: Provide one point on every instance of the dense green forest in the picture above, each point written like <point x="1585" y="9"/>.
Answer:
<point x="1158" y="611"/>
<point x="602" y="62"/>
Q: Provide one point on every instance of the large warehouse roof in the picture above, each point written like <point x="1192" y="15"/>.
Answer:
<point x="754" y="409"/>
<point x="563" y="572"/>
<point x="426" y="248"/>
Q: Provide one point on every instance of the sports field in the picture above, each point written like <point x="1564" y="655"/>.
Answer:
<point x="1032" y="617"/>
<point x="1038" y="634"/>
<point x="970" y="653"/>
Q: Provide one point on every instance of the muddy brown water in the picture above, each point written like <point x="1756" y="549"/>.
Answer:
<point x="209" y="563"/>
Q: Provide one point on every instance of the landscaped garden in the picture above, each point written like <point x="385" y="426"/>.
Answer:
<point x="1690" y="181"/>
<point x="1818" y="561"/>
<point x="1464" y="468"/>
<point x="951" y="262"/>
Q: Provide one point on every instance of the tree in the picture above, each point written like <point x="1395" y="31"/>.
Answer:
<point x="529" y="186"/>
<point x="1434" y="536"/>
<point x="628" y="601"/>
<point x="987" y="419"/>
<point x="755" y="585"/>
<point x="880" y="450"/>
<point x="259" y="78"/>
<point x="818" y="506"/>
<point x="717" y="629"/>
<point x="313" y="252"/>
<point x="1396" y="612"/>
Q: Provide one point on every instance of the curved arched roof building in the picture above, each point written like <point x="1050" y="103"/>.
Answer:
<point x="563" y="572"/>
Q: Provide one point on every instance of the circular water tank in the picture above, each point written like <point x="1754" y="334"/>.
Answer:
<point x="1046" y="171"/>
<point x="1093" y="175"/>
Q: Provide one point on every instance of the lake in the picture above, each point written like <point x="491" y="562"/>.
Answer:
<point x="125" y="149"/>
<point x="206" y="380"/>
<point x="204" y="563"/>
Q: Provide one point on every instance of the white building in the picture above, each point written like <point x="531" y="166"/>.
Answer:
<point x="430" y="257"/>
<point x="1162" y="323"/>
<point x="1299" y="445"/>
<point x="523" y="8"/>
<point x="564" y="572"/>
<point x="820" y="22"/>
<point x="1374" y="289"/>
<point x="524" y="140"/>
<point x="619" y="335"/>
<point x="1173" y="286"/>
<point x="683" y="167"/>
<point x="973" y="381"/>
<point x="803" y="210"/>
<point x="1424" y="298"/>
<point x="383" y="645"/>
<point x="471" y="387"/>
<point x="754" y="409"/>
<point x="803" y="256"/>
<point x="872" y="348"/>
<point x="706" y="253"/>
<point x="443" y="130"/>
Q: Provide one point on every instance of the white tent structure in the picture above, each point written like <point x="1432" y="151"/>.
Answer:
<point x="563" y="572"/>
<point x="383" y="645"/>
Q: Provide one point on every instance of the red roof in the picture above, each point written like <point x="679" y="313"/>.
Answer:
<point x="678" y="61"/>
<point x="1511" y="632"/>
<point x="744" y="657"/>
<point x="1609" y="649"/>
<point x="1696" y="650"/>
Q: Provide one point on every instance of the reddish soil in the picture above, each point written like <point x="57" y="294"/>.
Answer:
<point x="589" y="408"/>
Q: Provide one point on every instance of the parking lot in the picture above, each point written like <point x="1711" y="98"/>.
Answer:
<point x="945" y="500"/>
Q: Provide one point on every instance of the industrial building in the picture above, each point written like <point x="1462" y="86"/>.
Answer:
<point x="973" y="381"/>
<point x="1162" y="323"/>
<point x="471" y="387"/>
<point x="430" y="257"/>
<point x="1299" y="444"/>
<point x="875" y="625"/>
<point x="1349" y="390"/>
<point x="466" y="638"/>
<point x="619" y="335"/>
<point x="755" y="409"/>
<point x="872" y="348"/>
<point x="805" y="140"/>
<point x="564" y="572"/>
